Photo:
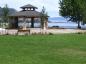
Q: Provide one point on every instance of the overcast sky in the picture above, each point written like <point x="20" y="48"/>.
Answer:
<point x="50" y="5"/>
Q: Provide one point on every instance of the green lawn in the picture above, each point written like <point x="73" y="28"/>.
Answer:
<point x="43" y="49"/>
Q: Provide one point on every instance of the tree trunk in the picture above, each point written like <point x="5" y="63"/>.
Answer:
<point x="83" y="23"/>
<point x="79" y="27"/>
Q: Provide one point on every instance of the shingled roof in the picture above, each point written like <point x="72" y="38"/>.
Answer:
<point x="28" y="6"/>
<point x="26" y="14"/>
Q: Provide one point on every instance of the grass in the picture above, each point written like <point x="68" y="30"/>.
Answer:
<point x="43" y="49"/>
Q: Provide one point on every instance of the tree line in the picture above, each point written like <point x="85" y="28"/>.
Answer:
<point x="4" y="16"/>
<point x="73" y="10"/>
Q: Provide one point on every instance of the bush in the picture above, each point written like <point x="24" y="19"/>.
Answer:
<point x="50" y="33"/>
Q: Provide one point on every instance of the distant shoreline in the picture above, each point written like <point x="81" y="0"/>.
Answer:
<point x="57" y="22"/>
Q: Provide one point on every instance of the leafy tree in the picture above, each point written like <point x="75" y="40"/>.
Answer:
<point x="71" y="10"/>
<point x="43" y="17"/>
<point x="82" y="5"/>
<point x="5" y="14"/>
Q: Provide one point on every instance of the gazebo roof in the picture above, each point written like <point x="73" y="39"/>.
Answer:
<point x="26" y="14"/>
<point x="28" y="6"/>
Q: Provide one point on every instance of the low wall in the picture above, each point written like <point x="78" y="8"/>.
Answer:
<point x="39" y="31"/>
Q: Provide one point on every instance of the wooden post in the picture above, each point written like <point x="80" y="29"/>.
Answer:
<point x="24" y="26"/>
<point x="32" y="22"/>
<point x="45" y="24"/>
<point x="8" y="22"/>
<point x="16" y="22"/>
<point x="12" y="23"/>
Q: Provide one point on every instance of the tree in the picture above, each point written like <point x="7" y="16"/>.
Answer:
<point x="82" y="5"/>
<point x="43" y="17"/>
<point x="71" y="10"/>
<point x="5" y="14"/>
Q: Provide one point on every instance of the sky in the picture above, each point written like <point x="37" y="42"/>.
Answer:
<point x="52" y="6"/>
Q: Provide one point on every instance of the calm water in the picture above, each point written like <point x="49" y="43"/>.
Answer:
<point x="64" y="25"/>
<point x="69" y="25"/>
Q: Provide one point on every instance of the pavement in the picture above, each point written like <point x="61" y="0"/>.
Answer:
<point x="39" y="31"/>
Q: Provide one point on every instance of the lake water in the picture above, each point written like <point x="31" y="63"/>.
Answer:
<point x="68" y="25"/>
<point x="64" y="25"/>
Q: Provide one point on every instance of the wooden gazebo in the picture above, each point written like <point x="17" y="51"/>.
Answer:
<point x="28" y="11"/>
